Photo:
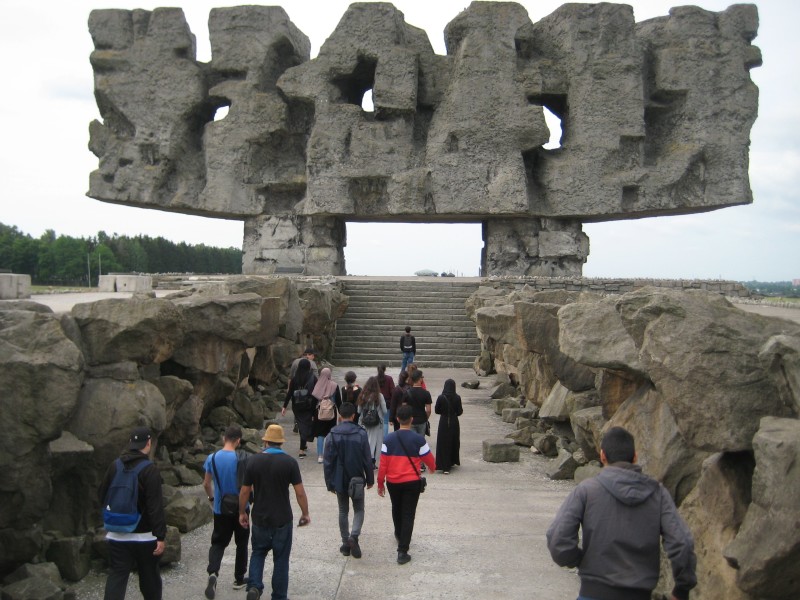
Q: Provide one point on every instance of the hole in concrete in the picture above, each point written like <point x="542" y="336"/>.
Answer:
<point x="555" y="110"/>
<point x="366" y="102"/>
<point x="402" y="249"/>
<point x="353" y="87"/>
<point x="554" y="125"/>
<point x="221" y="113"/>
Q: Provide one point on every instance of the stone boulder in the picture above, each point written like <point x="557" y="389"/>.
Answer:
<point x="40" y="375"/>
<point x="45" y="570"/>
<point x="537" y="331"/>
<point x="563" y="466"/>
<point x="587" y="426"/>
<point x="108" y="410"/>
<point x="71" y="556"/>
<point x="500" y="451"/>
<point x="663" y="453"/>
<point x="781" y="358"/>
<point x="33" y="588"/>
<point x="71" y="510"/>
<point x="766" y="549"/>
<point x="143" y="330"/>
<point x="188" y="512"/>
<point x="714" y="511"/>
<point x="721" y="376"/>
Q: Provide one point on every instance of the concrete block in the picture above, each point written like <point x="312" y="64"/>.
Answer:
<point x="14" y="286"/>
<point x="500" y="451"/>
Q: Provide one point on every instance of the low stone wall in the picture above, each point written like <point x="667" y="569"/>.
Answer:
<point x="732" y="289"/>
<point x="14" y="286"/>
<point x="120" y="282"/>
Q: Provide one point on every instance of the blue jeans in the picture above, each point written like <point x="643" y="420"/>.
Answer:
<point x="344" y="510"/>
<point x="279" y="540"/>
<point x="408" y="358"/>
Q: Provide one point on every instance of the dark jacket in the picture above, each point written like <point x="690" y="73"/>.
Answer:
<point x="150" y="503"/>
<point x="624" y="515"/>
<point x="347" y="455"/>
<point x="403" y="344"/>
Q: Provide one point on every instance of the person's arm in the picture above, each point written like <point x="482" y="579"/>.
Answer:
<point x="401" y="344"/>
<point x="562" y="535"/>
<point x="678" y="546"/>
<point x="428" y="458"/>
<point x="244" y="498"/>
<point x="330" y="456"/>
<point x="459" y="407"/>
<point x="288" y="397"/>
<point x="337" y="397"/>
<point x="428" y="403"/>
<point x="154" y="502"/>
<point x="439" y="406"/>
<point x="366" y="459"/>
<point x="302" y="501"/>
<point x="382" y="472"/>
<point x="413" y="345"/>
<point x="208" y="486"/>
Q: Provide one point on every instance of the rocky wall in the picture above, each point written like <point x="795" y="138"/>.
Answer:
<point x="187" y="365"/>
<point x="709" y="392"/>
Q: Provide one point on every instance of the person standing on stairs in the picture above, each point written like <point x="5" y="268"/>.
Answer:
<point x="408" y="346"/>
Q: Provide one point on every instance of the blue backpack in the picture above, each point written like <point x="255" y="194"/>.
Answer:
<point x="121" y="511"/>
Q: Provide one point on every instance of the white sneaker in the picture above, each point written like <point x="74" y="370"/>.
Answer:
<point x="319" y="459"/>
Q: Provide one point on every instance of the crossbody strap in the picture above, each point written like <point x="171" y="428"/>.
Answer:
<point x="216" y="475"/>
<point x="408" y="456"/>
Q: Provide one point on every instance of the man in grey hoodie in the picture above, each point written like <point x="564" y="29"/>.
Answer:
<point x="347" y="455"/>
<point x="624" y="515"/>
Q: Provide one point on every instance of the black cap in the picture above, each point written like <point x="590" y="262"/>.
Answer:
<point x="139" y="438"/>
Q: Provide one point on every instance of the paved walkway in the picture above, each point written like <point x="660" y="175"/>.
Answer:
<point x="479" y="531"/>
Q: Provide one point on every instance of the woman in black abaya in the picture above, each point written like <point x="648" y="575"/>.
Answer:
<point x="448" y="437"/>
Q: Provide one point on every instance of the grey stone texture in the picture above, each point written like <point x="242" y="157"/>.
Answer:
<point x="655" y="117"/>
<point x="709" y="391"/>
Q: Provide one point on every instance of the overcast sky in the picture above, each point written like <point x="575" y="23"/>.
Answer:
<point x="48" y="104"/>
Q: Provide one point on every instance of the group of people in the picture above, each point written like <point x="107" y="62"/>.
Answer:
<point x="611" y="526"/>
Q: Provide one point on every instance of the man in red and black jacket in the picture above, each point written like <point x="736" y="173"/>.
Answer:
<point x="402" y="454"/>
<point x="144" y="546"/>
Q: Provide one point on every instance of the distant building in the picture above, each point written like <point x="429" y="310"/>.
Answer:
<point x="795" y="282"/>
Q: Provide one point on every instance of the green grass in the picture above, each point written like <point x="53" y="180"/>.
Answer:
<point x="56" y="289"/>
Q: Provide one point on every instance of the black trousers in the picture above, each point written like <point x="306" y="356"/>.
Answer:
<point x="405" y="497"/>
<point x="225" y="528"/>
<point x="123" y="557"/>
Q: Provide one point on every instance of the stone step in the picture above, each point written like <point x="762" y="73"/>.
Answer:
<point x="368" y="334"/>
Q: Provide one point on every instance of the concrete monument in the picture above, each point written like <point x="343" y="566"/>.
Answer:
<point x="655" y="118"/>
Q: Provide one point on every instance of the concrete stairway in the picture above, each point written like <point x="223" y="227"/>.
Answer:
<point x="379" y="310"/>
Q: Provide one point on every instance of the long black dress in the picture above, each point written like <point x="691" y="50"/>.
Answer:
<point x="304" y="418"/>
<point x="448" y="437"/>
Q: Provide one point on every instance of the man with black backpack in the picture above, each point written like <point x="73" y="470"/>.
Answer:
<point x="408" y="346"/>
<point x="224" y="471"/>
<point x="133" y="515"/>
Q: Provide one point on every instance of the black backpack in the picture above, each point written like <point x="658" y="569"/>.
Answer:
<point x="121" y="508"/>
<point x="371" y="418"/>
<point x="408" y="343"/>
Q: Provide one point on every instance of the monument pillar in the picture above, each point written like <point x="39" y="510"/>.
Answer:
<point x="533" y="247"/>
<point x="307" y="245"/>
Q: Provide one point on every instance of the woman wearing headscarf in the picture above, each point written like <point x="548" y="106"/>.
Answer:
<point x="325" y="391"/>
<point x="448" y="437"/>
<point x="399" y="397"/>
<point x="300" y="394"/>
<point x="370" y="399"/>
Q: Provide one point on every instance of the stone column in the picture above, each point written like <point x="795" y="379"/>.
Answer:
<point x="534" y="247"/>
<point x="307" y="245"/>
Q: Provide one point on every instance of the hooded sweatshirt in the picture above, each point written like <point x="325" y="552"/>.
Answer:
<point x="150" y="502"/>
<point x="347" y="455"/>
<point x="623" y="514"/>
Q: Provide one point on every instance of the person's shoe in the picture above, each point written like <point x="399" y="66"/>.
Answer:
<point x="302" y="454"/>
<point x="211" y="588"/>
<point x="345" y="549"/>
<point x="446" y="472"/>
<point x="402" y="558"/>
<point x="355" y="549"/>
<point x="422" y="468"/>
<point x="319" y="459"/>
<point x="239" y="584"/>
<point x="253" y="594"/>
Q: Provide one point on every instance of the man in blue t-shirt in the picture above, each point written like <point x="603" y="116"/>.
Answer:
<point x="268" y="476"/>
<point x="221" y="473"/>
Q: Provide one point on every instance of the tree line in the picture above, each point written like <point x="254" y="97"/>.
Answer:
<point x="63" y="260"/>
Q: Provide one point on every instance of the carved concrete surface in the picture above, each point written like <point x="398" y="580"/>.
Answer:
<point x="655" y="116"/>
